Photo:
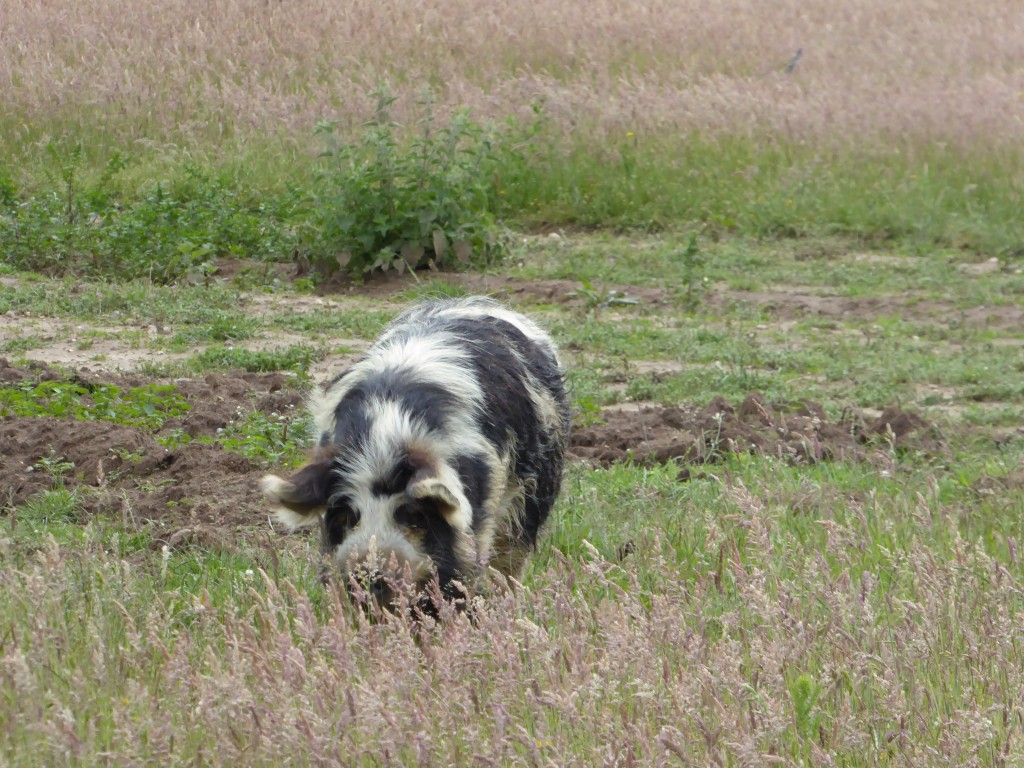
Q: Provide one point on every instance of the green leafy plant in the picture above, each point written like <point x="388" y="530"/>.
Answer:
<point x="172" y="229"/>
<point x="147" y="407"/>
<point x="55" y="466"/>
<point x="692" y="262"/>
<point x="806" y="715"/>
<point x="179" y="227"/>
<point x="594" y="299"/>
<point x="274" y="438"/>
<point x="588" y="412"/>
<point x="382" y="204"/>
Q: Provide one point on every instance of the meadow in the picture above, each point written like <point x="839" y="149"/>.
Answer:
<point x="779" y="245"/>
<point x="784" y="119"/>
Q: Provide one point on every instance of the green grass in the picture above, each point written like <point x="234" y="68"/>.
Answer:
<point x="897" y="324"/>
<point x="171" y="225"/>
<point x="749" y="187"/>
<point x="363" y="322"/>
<point x="21" y="343"/>
<point x="120" y="301"/>
<point x="295" y="358"/>
<point x="147" y="406"/>
<point x="867" y="366"/>
<point x="824" y="263"/>
<point x="222" y="327"/>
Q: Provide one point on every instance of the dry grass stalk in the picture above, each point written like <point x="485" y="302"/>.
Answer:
<point x="943" y="70"/>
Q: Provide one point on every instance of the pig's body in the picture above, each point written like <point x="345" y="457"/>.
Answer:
<point x="440" y="451"/>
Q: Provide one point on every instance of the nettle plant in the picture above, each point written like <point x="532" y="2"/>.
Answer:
<point x="384" y="203"/>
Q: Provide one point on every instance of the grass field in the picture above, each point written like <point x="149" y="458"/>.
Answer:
<point x="771" y="120"/>
<point x="830" y="608"/>
<point x="788" y="290"/>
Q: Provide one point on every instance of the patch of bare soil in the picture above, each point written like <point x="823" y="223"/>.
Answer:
<point x="785" y="303"/>
<point x="202" y="492"/>
<point x="799" y="432"/>
<point x="563" y="292"/>
<point x="386" y="285"/>
<point x="195" y="491"/>
<point x="789" y="304"/>
<point x="11" y="375"/>
<point x="1000" y="485"/>
<point x="57" y="342"/>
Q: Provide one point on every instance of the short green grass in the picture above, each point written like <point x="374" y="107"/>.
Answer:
<point x="21" y="343"/>
<point x="121" y="301"/>
<point x="222" y="358"/>
<point x="769" y="336"/>
<point x="362" y="322"/>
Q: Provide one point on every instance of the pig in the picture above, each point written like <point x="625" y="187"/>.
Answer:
<point x="439" y="452"/>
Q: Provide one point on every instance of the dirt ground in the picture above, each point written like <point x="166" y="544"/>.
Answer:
<point x="204" y="492"/>
<point x="195" y="490"/>
<point x="797" y="432"/>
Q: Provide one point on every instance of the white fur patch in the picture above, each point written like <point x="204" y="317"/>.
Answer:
<point x="376" y="540"/>
<point x="433" y="359"/>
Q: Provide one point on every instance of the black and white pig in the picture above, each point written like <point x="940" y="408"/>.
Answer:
<point x="440" y="451"/>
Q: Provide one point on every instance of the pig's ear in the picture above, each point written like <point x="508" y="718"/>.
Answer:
<point x="426" y="483"/>
<point x="302" y="498"/>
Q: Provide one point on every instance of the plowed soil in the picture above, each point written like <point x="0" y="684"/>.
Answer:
<point x="201" y="492"/>
<point x="798" y="432"/>
<point x="196" y="490"/>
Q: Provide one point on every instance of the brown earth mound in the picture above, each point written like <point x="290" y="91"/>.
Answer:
<point x="798" y="432"/>
<point x="203" y="492"/>
<point x="193" y="491"/>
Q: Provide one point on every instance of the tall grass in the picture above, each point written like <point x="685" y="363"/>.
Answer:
<point x="741" y="631"/>
<point x="185" y="70"/>
<point x="778" y="118"/>
<point x="757" y="187"/>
